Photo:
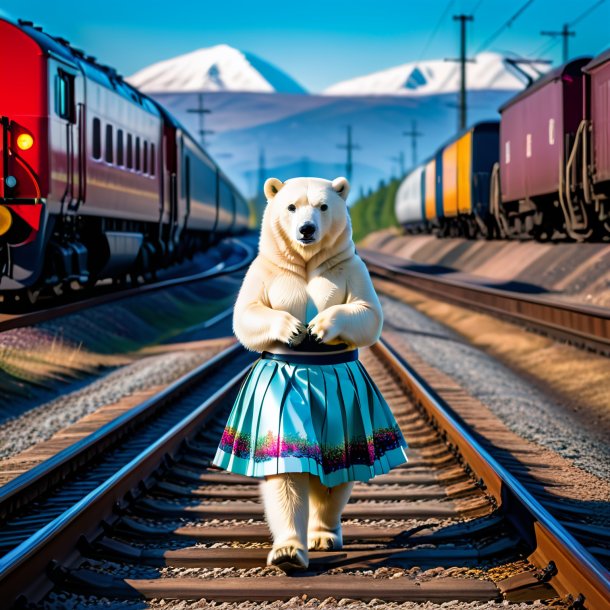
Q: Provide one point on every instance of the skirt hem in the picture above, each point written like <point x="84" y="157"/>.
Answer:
<point x="288" y="465"/>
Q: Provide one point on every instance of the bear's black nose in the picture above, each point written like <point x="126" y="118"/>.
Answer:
<point x="307" y="229"/>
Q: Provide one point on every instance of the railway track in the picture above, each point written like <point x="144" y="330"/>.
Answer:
<point x="136" y="509"/>
<point x="585" y="326"/>
<point x="9" y="321"/>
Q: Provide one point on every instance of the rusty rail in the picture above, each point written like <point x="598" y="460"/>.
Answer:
<point x="577" y="573"/>
<point x="586" y="326"/>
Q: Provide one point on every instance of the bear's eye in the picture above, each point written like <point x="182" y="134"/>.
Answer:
<point x="292" y="207"/>
<point x="324" y="207"/>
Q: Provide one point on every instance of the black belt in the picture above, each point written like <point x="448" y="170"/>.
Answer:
<point x="314" y="359"/>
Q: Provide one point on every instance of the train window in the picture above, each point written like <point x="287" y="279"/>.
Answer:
<point x="109" y="149"/>
<point x="145" y="157"/>
<point x="152" y="159"/>
<point x="507" y="152"/>
<point x="119" y="148"/>
<point x="129" y="151"/>
<point x="64" y="96"/>
<point x="137" y="154"/>
<point x="552" y="132"/>
<point x="97" y="139"/>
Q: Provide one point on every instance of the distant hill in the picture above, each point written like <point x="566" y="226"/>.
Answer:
<point x="255" y="113"/>
<point x="488" y="71"/>
<point x="218" y="68"/>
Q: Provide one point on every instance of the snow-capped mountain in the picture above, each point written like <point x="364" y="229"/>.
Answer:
<point x="218" y="68"/>
<point x="487" y="71"/>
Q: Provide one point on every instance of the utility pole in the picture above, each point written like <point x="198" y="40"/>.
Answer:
<point x="400" y="159"/>
<point x="565" y="33"/>
<point x="349" y="147"/>
<point x="262" y="171"/>
<point x="201" y="110"/>
<point x="463" y="61"/>
<point x="259" y="195"/>
<point x="413" y="134"/>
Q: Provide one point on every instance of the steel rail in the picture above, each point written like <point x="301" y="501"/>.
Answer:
<point x="25" y="568"/>
<point x="578" y="573"/>
<point x="44" y="315"/>
<point x="39" y="479"/>
<point x="587" y="326"/>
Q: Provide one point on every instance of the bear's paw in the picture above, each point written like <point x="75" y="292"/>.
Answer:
<point x="325" y="541"/>
<point x="287" y="329"/>
<point x="325" y="327"/>
<point x="288" y="558"/>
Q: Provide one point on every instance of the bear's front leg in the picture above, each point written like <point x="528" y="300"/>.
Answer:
<point x="286" y="502"/>
<point x="326" y="505"/>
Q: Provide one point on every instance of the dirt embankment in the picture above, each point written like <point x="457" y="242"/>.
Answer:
<point x="577" y="272"/>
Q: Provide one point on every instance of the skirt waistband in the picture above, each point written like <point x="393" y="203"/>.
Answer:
<point x="313" y="359"/>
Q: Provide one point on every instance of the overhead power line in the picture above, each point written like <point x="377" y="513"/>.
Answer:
<point x="436" y="29"/>
<point x="587" y="12"/>
<point x="508" y="23"/>
<point x="547" y="46"/>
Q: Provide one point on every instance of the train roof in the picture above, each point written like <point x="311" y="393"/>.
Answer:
<point x="105" y="76"/>
<point x="60" y="48"/>
<point x="477" y="127"/>
<point x="602" y="58"/>
<point x="572" y="68"/>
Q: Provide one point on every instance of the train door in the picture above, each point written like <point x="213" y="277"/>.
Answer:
<point x="68" y="129"/>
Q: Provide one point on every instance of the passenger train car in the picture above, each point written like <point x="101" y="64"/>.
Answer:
<point x="543" y="171"/>
<point x="97" y="180"/>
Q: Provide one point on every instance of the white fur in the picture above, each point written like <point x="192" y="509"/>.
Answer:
<point x="285" y="498"/>
<point x="270" y="307"/>
<point x="325" y="507"/>
<point x="302" y="515"/>
<point x="270" y="312"/>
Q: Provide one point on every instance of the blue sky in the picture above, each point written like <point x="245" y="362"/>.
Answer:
<point x="317" y="42"/>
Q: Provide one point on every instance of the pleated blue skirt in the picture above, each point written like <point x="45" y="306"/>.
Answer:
<point x="329" y="420"/>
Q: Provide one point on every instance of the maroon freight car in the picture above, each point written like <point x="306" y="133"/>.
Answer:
<point x="537" y="132"/>
<point x="596" y="139"/>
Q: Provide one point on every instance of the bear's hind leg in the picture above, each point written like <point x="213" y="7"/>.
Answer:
<point x="325" y="507"/>
<point x="285" y="498"/>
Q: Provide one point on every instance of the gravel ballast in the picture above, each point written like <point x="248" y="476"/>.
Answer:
<point x="524" y="408"/>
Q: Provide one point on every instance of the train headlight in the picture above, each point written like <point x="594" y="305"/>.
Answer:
<point x="25" y="141"/>
<point x="6" y="220"/>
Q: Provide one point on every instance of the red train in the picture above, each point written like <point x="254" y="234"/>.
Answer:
<point x="549" y="177"/>
<point x="97" y="179"/>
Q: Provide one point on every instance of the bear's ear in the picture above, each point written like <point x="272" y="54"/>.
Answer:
<point x="272" y="187"/>
<point x="341" y="186"/>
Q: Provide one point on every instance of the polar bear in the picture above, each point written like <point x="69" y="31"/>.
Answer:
<point x="307" y="263"/>
<point x="305" y="251"/>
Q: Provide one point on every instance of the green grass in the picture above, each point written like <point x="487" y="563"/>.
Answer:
<point x="375" y="211"/>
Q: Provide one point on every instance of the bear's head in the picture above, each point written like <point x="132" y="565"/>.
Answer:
<point x="307" y="214"/>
